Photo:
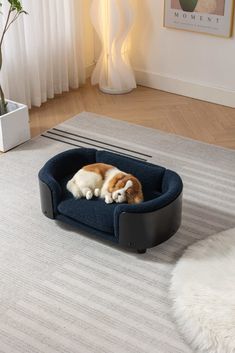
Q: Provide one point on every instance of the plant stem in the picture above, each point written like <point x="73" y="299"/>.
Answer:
<point x="14" y="6"/>
<point x="3" y="104"/>
<point x="13" y="20"/>
<point x="6" y="25"/>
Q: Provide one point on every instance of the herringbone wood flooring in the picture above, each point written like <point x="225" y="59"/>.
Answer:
<point x="172" y="113"/>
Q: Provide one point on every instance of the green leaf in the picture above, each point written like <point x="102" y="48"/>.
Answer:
<point x="16" y="5"/>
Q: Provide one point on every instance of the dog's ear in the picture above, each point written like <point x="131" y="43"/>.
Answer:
<point x="134" y="197"/>
<point x="134" y="193"/>
<point x="128" y="185"/>
<point x="138" y="198"/>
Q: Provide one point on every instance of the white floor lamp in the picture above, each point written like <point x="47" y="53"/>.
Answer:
<point x="112" y="20"/>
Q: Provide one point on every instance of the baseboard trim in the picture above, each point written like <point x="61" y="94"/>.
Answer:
<point x="218" y="95"/>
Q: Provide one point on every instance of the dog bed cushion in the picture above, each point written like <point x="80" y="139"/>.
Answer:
<point x="93" y="212"/>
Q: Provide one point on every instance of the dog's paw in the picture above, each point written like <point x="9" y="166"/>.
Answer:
<point x="78" y="195"/>
<point x="89" y="195"/>
<point x="97" y="192"/>
<point x="108" y="199"/>
<point x="115" y="195"/>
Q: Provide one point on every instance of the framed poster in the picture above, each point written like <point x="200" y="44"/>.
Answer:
<point x="205" y="16"/>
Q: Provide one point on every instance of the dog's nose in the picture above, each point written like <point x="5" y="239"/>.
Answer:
<point x="119" y="194"/>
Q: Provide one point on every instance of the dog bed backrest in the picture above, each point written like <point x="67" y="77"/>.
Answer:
<point x="150" y="175"/>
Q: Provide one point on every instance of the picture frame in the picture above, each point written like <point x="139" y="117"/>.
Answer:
<point x="214" y="17"/>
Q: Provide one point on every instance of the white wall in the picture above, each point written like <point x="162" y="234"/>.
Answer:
<point x="191" y="64"/>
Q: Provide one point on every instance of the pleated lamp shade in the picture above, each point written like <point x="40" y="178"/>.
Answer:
<point x="112" y="20"/>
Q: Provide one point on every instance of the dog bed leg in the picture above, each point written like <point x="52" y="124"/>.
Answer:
<point x="141" y="251"/>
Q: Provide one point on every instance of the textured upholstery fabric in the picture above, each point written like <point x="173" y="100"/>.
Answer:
<point x="160" y="187"/>
<point x="95" y="213"/>
<point x="62" y="165"/>
<point x="149" y="174"/>
<point x="172" y="187"/>
<point x="87" y="229"/>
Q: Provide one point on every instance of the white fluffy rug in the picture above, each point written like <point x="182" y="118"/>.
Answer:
<point x="203" y="292"/>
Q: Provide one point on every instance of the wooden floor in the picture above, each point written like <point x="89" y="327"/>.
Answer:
<point x="179" y="115"/>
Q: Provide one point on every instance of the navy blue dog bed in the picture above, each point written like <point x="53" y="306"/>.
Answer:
<point x="139" y="226"/>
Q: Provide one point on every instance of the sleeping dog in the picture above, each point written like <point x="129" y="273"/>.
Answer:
<point x="105" y="181"/>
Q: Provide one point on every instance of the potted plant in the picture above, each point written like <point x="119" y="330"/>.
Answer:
<point x="14" y="117"/>
<point x="188" y="5"/>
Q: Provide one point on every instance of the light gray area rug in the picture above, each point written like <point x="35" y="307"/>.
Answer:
<point x="66" y="292"/>
<point x="203" y="293"/>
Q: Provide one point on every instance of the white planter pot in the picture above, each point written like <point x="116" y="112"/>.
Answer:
<point x="14" y="126"/>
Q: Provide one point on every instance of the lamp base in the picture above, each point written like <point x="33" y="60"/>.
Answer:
<point x="108" y="90"/>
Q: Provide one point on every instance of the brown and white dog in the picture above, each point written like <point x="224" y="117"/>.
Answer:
<point x="105" y="181"/>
